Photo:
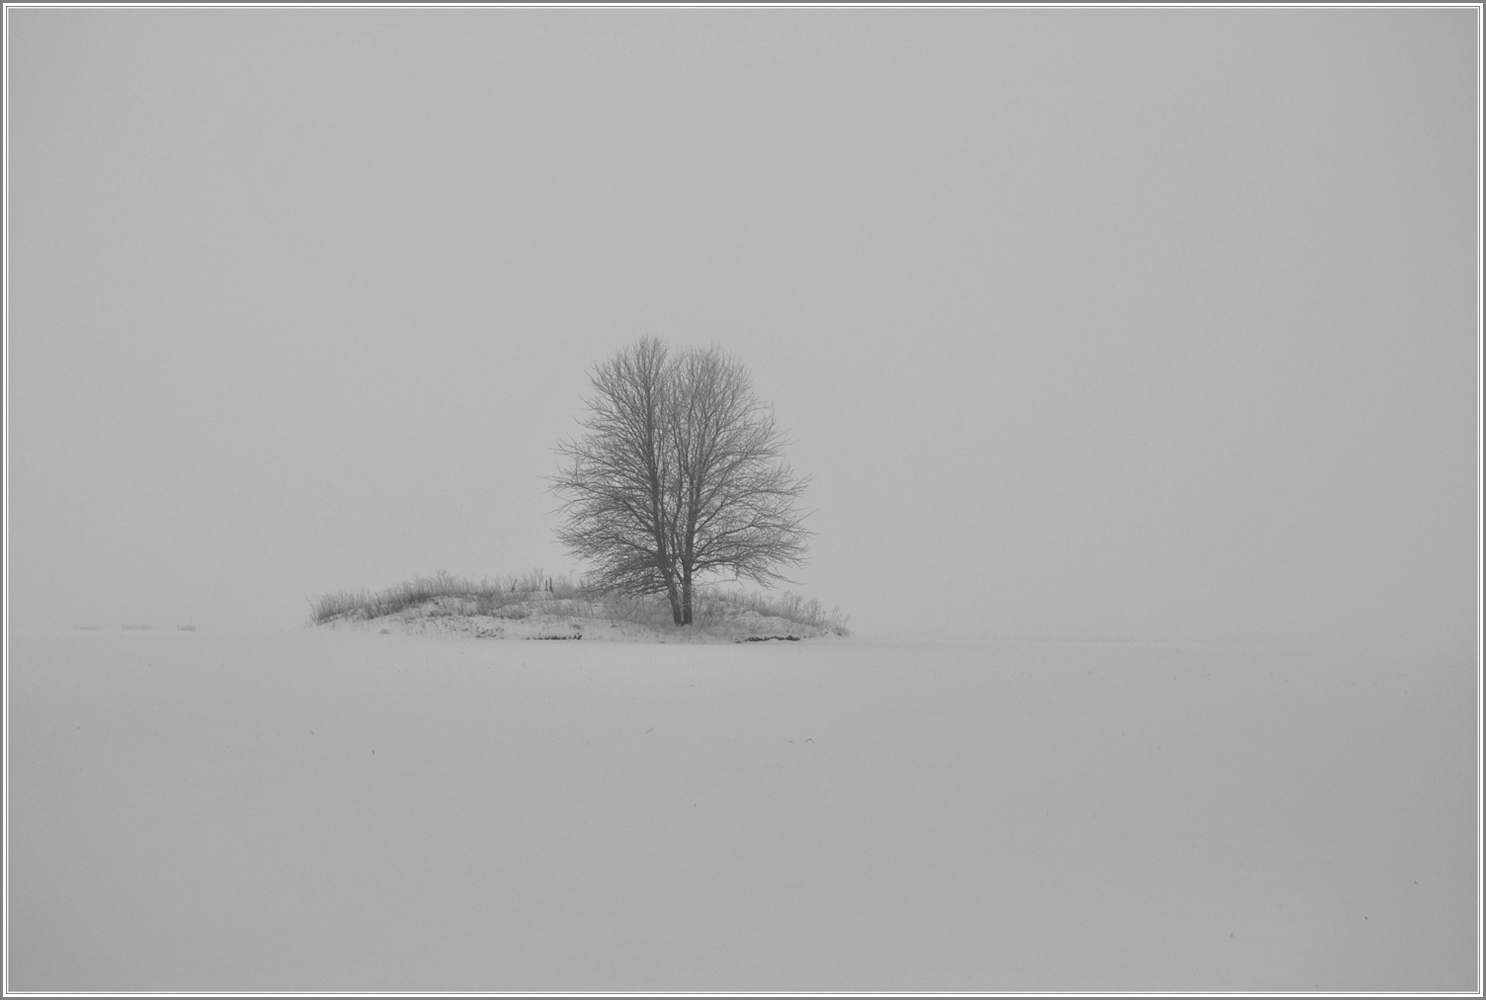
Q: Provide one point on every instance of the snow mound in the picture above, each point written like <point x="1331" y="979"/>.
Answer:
<point x="547" y="618"/>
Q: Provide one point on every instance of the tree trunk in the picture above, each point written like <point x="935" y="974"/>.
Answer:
<point x="689" y="553"/>
<point x="675" y="599"/>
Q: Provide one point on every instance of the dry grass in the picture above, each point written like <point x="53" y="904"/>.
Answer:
<point x="535" y="592"/>
<point x="789" y="606"/>
<point x="487" y="597"/>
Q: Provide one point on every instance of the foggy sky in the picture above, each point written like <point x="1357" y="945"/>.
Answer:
<point x="1087" y="323"/>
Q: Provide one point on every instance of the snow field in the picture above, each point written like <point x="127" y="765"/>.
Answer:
<point x="344" y="811"/>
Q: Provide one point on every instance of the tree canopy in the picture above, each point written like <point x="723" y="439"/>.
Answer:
<point x="679" y="474"/>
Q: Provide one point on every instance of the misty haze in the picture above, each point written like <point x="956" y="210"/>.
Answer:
<point x="1013" y="472"/>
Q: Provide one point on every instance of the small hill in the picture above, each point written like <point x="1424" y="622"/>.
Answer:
<point x="557" y="610"/>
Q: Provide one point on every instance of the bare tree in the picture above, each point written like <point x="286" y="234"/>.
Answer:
<point x="679" y="476"/>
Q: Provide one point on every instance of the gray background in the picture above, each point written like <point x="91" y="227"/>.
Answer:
<point x="1134" y="323"/>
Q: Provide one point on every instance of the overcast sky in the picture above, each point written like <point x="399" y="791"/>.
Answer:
<point x="1088" y="323"/>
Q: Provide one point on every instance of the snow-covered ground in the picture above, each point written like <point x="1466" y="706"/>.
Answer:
<point x="552" y="618"/>
<point x="341" y="810"/>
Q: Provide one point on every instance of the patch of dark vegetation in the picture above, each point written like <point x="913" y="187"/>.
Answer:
<point x="725" y="611"/>
<point x="716" y="610"/>
<point x="559" y="637"/>
<point x="487" y="597"/>
<point x="766" y="638"/>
